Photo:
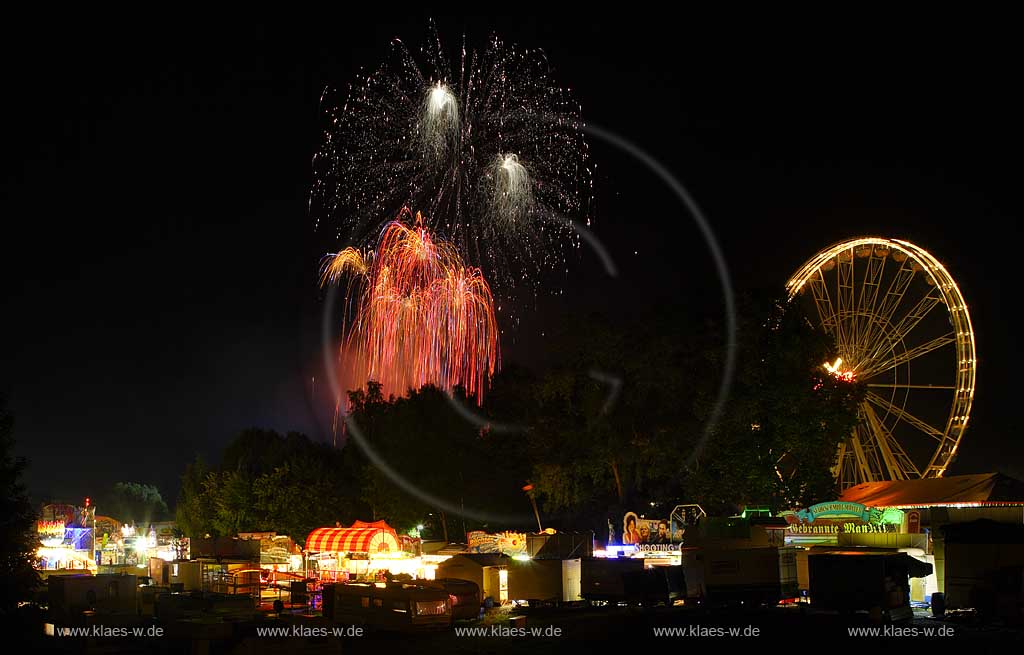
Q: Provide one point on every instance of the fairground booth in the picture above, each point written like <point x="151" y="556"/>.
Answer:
<point x="657" y="541"/>
<point x="141" y="543"/>
<point x="966" y="506"/>
<point x="363" y="551"/>
<point x="66" y="537"/>
<point x="516" y="566"/>
<point x="907" y="516"/>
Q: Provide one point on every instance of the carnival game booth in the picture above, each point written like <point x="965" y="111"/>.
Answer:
<point x="363" y="551"/>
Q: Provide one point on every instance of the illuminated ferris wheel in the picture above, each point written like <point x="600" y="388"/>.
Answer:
<point x="902" y="328"/>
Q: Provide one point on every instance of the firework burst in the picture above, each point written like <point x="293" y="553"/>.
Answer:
<point x="422" y="316"/>
<point x="491" y="150"/>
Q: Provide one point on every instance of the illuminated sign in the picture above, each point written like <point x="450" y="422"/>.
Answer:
<point x="842" y="528"/>
<point x="836" y="509"/>
<point x="50" y="529"/>
<point x="509" y="543"/>
<point x="637" y="530"/>
<point x="841" y="517"/>
<point x="657" y="550"/>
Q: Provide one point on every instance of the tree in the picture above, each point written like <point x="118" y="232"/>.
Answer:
<point x="271" y="482"/>
<point x="614" y="421"/>
<point x="193" y="513"/>
<point x="620" y="421"/>
<point x="804" y="412"/>
<point x="431" y="444"/>
<point x="779" y="436"/>
<point x="135" y="502"/>
<point x="233" y="502"/>
<point x="304" y="493"/>
<point x="18" y="541"/>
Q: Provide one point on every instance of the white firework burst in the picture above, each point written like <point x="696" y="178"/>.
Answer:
<point x="490" y="150"/>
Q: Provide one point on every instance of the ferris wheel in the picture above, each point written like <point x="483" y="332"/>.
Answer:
<point x="901" y="328"/>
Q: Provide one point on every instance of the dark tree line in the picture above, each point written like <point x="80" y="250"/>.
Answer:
<point x="620" y="420"/>
<point x="623" y="420"/>
<point x="267" y="481"/>
<point x="133" y="502"/>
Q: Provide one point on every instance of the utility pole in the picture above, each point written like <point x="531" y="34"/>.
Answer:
<point x="533" y="501"/>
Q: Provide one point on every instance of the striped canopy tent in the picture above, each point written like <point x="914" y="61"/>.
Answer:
<point x="353" y="540"/>
<point x="376" y="524"/>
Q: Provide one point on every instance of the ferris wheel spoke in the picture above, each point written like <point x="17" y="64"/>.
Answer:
<point x="868" y="297"/>
<point x="865" y="471"/>
<point x="876" y="457"/>
<point x="881" y="456"/>
<point x="899" y="464"/>
<point x="903" y="328"/>
<point x="890" y="303"/>
<point x="881" y="441"/>
<point x="946" y="387"/>
<point x="908" y="355"/>
<point x="819" y="290"/>
<point x="837" y="470"/>
<point x="846" y="332"/>
<point x="903" y="415"/>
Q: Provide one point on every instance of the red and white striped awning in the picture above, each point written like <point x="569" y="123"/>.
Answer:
<point x="352" y="540"/>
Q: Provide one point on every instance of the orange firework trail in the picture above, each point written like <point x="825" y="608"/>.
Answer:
<point x="422" y="316"/>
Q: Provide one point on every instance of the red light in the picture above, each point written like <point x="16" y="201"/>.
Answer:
<point x="86" y="502"/>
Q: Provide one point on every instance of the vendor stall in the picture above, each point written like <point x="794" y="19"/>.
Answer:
<point x="364" y="551"/>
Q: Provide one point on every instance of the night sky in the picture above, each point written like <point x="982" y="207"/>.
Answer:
<point x="159" y="262"/>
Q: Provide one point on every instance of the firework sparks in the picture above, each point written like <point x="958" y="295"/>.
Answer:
<point x="438" y="128"/>
<point x="348" y="260"/>
<point x="422" y="316"/>
<point x="490" y="148"/>
<point x="512" y="195"/>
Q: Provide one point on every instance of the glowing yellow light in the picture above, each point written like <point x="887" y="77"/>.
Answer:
<point x="846" y="376"/>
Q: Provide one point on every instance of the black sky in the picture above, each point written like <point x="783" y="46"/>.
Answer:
<point x="159" y="263"/>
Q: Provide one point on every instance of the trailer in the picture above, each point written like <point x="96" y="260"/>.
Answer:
<point x="392" y="606"/>
<point x="72" y="595"/>
<point x="751" y="576"/>
<point x="463" y="596"/>
<point x="545" y="581"/>
<point x="603" y="579"/>
<point x="657" y="585"/>
<point x="852" y="580"/>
